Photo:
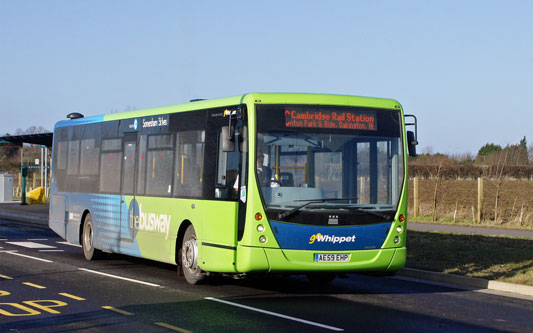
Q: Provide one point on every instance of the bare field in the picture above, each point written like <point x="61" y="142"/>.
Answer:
<point x="459" y="198"/>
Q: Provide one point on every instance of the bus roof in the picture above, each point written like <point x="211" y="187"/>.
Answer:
<point x="257" y="98"/>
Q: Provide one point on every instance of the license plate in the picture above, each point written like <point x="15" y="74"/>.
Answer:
<point x="332" y="257"/>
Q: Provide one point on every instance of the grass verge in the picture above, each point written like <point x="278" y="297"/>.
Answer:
<point x="507" y="259"/>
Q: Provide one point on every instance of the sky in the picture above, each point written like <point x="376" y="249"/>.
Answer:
<point x="464" y="68"/>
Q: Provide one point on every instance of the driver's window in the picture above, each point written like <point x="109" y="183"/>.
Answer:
<point x="227" y="186"/>
<point x="264" y="170"/>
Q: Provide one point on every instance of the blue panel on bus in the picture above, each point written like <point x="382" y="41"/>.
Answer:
<point x="110" y="219"/>
<point x="79" y="121"/>
<point x="327" y="238"/>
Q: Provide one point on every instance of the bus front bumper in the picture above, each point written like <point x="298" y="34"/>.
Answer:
<point x="277" y="260"/>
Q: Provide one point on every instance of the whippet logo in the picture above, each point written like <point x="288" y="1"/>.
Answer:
<point x="331" y="239"/>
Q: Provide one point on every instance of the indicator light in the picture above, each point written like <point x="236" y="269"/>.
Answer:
<point x="260" y="228"/>
<point x="262" y="239"/>
<point x="401" y="218"/>
<point x="258" y="216"/>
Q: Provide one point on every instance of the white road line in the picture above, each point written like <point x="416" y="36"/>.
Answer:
<point x="120" y="277"/>
<point x="67" y="243"/>
<point x="25" y="256"/>
<point x="37" y="239"/>
<point x="51" y="251"/>
<point x="276" y="314"/>
<point x="32" y="245"/>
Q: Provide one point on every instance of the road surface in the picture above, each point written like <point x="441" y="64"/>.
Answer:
<point x="47" y="286"/>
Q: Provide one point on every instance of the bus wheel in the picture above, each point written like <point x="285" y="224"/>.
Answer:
<point x="189" y="257"/>
<point x="89" y="251"/>
<point x="321" y="279"/>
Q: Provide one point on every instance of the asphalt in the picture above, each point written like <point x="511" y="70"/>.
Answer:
<point x="27" y="214"/>
<point x="37" y="215"/>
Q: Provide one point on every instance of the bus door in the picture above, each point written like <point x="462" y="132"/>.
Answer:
<point x="228" y="212"/>
<point x="128" y="207"/>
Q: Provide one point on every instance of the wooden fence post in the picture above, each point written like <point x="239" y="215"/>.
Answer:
<point x="415" y="198"/>
<point x="479" y="199"/>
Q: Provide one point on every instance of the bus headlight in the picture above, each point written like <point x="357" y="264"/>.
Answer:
<point x="260" y="228"/>
<point x="262" y="239"/>
<point x="399" y="229"/>
<point x="396" y="240"/>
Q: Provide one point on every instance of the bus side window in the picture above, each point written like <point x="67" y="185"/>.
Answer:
<point x="110" y="165"/>
<point x="89" y="157"/>
<point x="73" y="157"/>
<point x="189" y="166"/>
<point x="61" y="153"/>
<point x="159" y="165"/>
<point x="141" y="169"/>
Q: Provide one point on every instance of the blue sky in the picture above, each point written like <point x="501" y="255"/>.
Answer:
<point x="465" y="68"/>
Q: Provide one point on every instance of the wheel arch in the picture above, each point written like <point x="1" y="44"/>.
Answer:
<point x="82" y="222"/>
<point x="179" y="239"/>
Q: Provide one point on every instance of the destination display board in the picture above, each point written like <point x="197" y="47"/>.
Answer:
<point x="338" y="119"/>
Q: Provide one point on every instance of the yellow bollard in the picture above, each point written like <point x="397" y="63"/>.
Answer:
<point x="36" y="196"/>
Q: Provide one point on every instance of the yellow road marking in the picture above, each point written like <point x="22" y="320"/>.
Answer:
<point x="6" y="277"/>
<point x="117" y="310"/>
<point x="33" y="285"/>
<point x="172" y="327"/>
<point x="27" y="311"/>
<point x="72" y="296"/>
<point x="46" y="305"/>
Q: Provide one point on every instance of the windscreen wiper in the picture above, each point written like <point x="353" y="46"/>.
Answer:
<point x="369" y="212"/>
<point x="312" y="201"/>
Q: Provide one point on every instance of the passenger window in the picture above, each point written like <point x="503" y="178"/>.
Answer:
<point x="141" y="169"/>
<point x="89" y="157"/>
<point x="110" y="165"/>
<point x="73" y="157"/>
<point x="62" y="153"/>
<point x="190" y="147"/>
<point x="159" y="165"/>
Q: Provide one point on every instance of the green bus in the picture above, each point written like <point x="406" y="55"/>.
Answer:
<point x="262" y="182"/>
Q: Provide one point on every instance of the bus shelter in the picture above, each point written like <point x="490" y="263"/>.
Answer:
<point x="44" y="140"/>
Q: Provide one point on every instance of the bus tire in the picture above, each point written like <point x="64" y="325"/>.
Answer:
<point x="189" y="257"/>
<point x="87" y="239"/>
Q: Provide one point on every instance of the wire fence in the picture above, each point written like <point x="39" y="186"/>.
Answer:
<point x="503" y="201"/>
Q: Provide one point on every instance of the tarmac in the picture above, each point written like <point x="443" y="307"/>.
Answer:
<point x="37" y="215"/>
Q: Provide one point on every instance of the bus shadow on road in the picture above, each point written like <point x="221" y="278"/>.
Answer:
<point x="280" y="283"/>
